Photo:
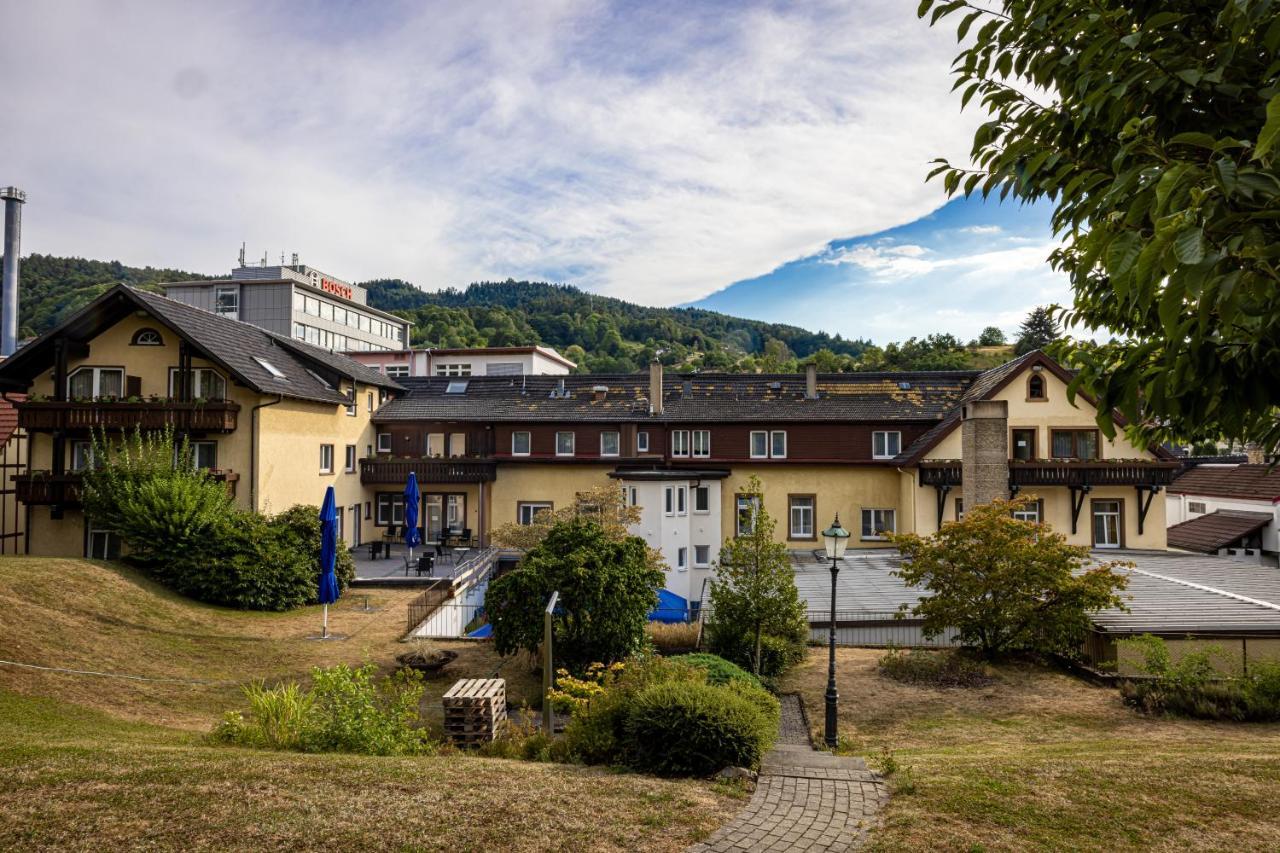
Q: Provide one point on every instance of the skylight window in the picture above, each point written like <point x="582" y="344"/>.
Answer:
<point x="326" y="383"/>
<point x="271" y="368"/>
<point x="457" y="386"/>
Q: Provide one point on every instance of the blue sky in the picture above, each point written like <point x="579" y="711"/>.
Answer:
<point x="652" y="151"/>
<point x="966" y="266"/>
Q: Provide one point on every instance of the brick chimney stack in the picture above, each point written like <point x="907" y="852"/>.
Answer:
<point x="655" y="387"/>
<point x="811" y="381"/>
<point x="984" y="447"/>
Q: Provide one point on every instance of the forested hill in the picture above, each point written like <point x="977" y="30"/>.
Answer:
<point x="601" y="333"/>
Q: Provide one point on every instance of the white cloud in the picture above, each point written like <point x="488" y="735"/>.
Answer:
<point x="650" y="152"/>
<point x="981" y="229"/>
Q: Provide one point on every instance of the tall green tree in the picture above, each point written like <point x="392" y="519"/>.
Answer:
<point x="754" y="591"/>
<point x="991" y="337"/>
<point x="1153" y="129"/>
<point x="1038" y="331"/>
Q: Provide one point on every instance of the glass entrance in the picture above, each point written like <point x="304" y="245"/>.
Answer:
<point x="1106" y="524"/>
<point x="445" y="513"/>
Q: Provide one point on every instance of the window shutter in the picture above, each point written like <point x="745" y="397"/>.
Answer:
<point x="133" y="386"/>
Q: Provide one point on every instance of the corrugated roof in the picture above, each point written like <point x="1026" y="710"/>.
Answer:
<point x="871" y="397"/>
<point x="1248" y="482"/>
<point x="1208" y="533"/>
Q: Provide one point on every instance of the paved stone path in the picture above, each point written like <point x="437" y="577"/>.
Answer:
<point x="804" y="800"/>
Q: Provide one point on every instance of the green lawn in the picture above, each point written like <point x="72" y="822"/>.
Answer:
<point x="1041" y="760"/>
<point x="90" y="762"/>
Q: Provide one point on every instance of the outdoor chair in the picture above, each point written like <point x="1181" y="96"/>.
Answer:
<point x="426" y="563"/>
<point x="465" y="537"/>
<point x="375" y="550"/>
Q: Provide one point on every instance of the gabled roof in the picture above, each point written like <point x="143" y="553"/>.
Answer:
<point x="986" y="386"/>
<point x="707" y="398"/>
<point x="1208" y="533"/>
<point x="309" y="373"/>
<point x="1256" y="482"/>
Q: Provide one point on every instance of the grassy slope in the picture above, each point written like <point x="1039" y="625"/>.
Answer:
<point x="105" y="762"/>
<point x="1040" y="760"/>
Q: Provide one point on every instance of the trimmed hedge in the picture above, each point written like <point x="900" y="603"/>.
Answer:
<point x="695" y="729"/>
<point x="719" y="670"/>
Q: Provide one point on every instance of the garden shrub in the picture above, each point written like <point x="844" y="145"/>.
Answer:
<point x="695" y="729"/>
<point x="1193" y="687"/>
<point x="664" y="716"/>
<point x="936" y="668"/>
<point x="345" y="710"/>
<point x="778" y="652"/>
<point x="719" y="670"/>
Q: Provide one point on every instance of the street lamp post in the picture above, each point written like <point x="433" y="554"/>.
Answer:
<point x="834" y="538"/>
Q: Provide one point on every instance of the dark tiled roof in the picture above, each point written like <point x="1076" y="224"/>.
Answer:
<point x="1250" y="482"/>
<point x="309" y="373"/>
<point x="871" y="397"/>
<point x="9" y="416"/>
<point x="238" y="345"/>
<point x="1208" y="533"/>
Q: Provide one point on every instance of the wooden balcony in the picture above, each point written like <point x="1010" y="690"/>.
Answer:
<point x="1063" y="472"/>
<point x="44" y="488"/>
<point x="85" y="416"/>
<point x="395" y="472"/>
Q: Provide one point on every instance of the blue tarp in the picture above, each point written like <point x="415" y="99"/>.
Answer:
<point x="483" y="632"/>
<point x="671" y="608"/>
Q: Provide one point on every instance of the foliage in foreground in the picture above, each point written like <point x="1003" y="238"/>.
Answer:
<point x="344" y="710"/>
<point x="672" y="638"/>
<point x="1153" y="129"/>
<point x="944" y="668"/>
<point x="756" y="618"/>
<point x="607" y="584"/>
<point x="183" y="529"/>
<point x="665" y="716"/>
<point x="1193" y="686"/>
<point x="1005" y="584"/>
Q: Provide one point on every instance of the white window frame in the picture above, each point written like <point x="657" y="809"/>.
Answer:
<point x="700" y="561"/>
<point x="397" y="371"/>
<point x="701" y="443"/>
<point x="871" y="513"/>
<point x="792" y="507"/>
<point x="617" y="443"/>
<point x="218" y="293"/>
<point x="1198" y="507"/>
<point x="528" y="442"/>
<point x="682" y="500"/>
<point x="754" y="502"/>
<point x="682" y="558"/>
<point x="669" y="501"/>
<point x="97" y="373"/>
<point x="392" y="502"/>
<point x="527" y="511"/>
<point x="573" y="442"/>
<point x="751" y="447"/>
<point x="705" y="492"/>
<point x="880" y="444"/>
<point x="326" y="452"/>
<point x="198" y="376"/>
<point x="773" y="444"/>
<point x="459" y="369"/>
<point x="384" y="446"/>
<point x="642" y="442"/>
<point x="680" y="443"/>
<point x="634" y="497"/>
<point x="85" y="450"/>
<point x="350" y="459"/>
<point x="195" y="454"/>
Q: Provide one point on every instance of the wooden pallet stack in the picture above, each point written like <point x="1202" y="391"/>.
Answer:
<point x="475" y="710"/>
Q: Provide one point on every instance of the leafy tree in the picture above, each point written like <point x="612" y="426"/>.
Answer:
<point x="1006" y="584"/>
<point x="991" y="337"/>
<point x="1153" y="130"/>
<point x="753" y="595"/>
<point x="607" y="585"/>
<point x="1038" y="331"/>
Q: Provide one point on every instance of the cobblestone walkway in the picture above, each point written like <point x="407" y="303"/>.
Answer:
<point x="804" y="800"/>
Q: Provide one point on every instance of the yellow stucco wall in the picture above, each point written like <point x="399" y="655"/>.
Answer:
<point x="1055" y="412"/>
<point x="846" y="490"/>
<point x="557" y="483"/>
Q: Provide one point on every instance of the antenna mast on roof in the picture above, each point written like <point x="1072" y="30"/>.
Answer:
<point x="241" y="254"/>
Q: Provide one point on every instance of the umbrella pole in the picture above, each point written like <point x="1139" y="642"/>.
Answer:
<point x="324" y="632"/>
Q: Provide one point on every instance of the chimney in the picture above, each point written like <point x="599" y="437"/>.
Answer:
<point x="811" y="381"/>
<point x="984" y="450"/>
<point x="13" y="201"/>
<point x="599" y="392"/>
<point x="1254" y="454"/>
<point x="655" y="387"/>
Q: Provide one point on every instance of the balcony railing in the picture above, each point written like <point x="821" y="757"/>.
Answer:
<point x="396" y="471"/>
<point x="1064" y="472"/>
<point x="47" y="416"/>
<point x="44" y="488"/>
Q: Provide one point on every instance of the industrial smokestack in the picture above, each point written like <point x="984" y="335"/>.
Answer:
<point x="13" y="201"/>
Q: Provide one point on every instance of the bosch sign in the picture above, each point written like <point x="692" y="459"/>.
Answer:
<point x="336" y="288"/>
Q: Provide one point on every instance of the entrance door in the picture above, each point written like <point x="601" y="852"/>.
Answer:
<point x="1106" y="524"/>
<point x="355" y="526"/>
<point x="445" y="512"/>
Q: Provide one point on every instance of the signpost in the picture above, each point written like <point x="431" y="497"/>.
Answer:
<point x="547" y="666"/>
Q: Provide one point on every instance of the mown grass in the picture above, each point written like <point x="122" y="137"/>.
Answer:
<point x="1041" y="760"/>
<point x="105" y="763"/>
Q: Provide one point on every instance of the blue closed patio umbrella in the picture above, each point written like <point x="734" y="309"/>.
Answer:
<point x="411" y="500"/>
<point x="328" y="593"/>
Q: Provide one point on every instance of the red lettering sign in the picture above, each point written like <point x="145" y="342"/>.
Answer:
<point x="336" y="288"/>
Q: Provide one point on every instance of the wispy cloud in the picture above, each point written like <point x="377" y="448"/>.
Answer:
<point x="651" y="151"/>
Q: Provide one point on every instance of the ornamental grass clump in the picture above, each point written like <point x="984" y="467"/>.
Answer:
<point x="346" y="709"/>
